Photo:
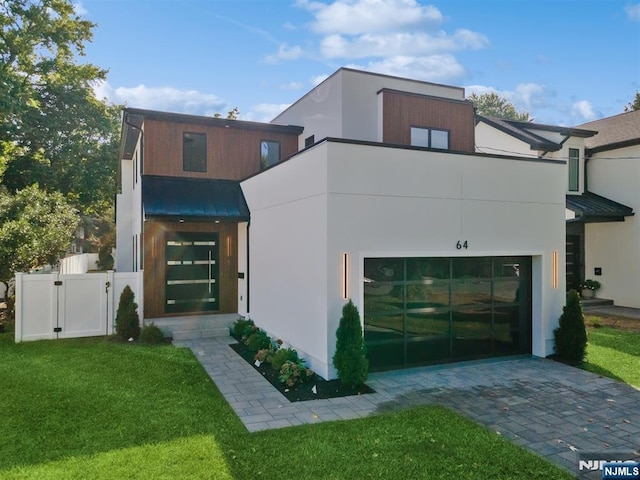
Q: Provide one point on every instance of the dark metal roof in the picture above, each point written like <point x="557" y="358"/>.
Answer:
<point x="193" y="198"/>
<point x="592" y="208"/>
<point x="524" y="131"/>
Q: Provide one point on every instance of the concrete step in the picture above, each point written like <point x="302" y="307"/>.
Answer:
<point x="596" y="302"/>
<point x="198" y="334"/>
<point x="195" y="326"/>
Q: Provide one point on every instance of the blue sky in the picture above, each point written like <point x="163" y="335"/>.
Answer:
<point x="565" y="61"/>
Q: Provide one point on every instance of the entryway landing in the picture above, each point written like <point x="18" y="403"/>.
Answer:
<point x="194" y="327"/>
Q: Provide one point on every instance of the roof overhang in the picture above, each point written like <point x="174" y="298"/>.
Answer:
<point x="592" y="208"/>
<point x="193" y="199"/>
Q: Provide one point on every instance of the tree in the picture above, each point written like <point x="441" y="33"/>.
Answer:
<point x="493" y="105"/>
<point x="127" y="319"/>
<point x="36" y="229"/>
<point x="571" y="335"/>
<point x="350" y="357"/>
<point x="53" y="130"/>
<point x="634" y="105"/>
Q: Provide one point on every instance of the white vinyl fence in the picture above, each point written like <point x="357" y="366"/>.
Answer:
<point x="54" y="305"/>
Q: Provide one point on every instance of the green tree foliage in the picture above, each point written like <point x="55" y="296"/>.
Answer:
<point x="127" y="319"/>
<point x="493" y="105"/>
<point x="36" y="228"/>
<point x="53" y="130"/>
<point x="633" y="105"/>
<point x="571" y="335"/>
<point x="350" y="358"/>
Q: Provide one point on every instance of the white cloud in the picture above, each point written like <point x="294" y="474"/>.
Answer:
<point x="264" y="112"/>
<point x="318" y="79"/>
<point x="529" y="95"/>
<point x="398" y="37"/>
<point x="167" y="99"/>
<point x="633" y="12"/>
<point x="292" y="86"/>
<point x="353" y="17"/>
<point x="401" y="43"/>
<point x="80" y="9"/>
<point x="435" y="68"/>
<point x="583" y="109"/>
<point x="285" y="53"/>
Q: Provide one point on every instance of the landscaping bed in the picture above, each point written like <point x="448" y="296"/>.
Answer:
<point x="301" y="391"/>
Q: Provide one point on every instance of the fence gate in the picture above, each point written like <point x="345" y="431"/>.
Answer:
<point x="81" y="305"/>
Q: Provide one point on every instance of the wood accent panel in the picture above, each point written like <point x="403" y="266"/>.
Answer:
<point x="232" y="153"/>
<point x="401" y="111"/>
<point x="154" y="265"/>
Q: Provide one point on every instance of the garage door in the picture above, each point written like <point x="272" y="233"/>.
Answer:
<point x="421" y="311"/>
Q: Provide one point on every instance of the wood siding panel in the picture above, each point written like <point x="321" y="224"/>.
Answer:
<point x="402" y="111"/>
<point x="232" y="153"/>
<point x="154" y="264"/>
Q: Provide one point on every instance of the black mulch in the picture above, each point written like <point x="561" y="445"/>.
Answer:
<point x="303" y="391"/>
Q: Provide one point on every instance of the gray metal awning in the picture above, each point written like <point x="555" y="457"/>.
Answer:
<point x="193" y="198"/>
<point x="592" y="208"/>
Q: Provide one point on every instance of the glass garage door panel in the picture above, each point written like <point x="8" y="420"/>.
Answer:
<point x="191" y="272"/>
<point x="431" y="310"/>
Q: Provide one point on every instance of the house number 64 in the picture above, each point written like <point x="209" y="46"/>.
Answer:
<point x="460" y="245"/>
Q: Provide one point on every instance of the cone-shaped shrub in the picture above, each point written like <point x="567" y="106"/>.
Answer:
<point x="350" y="358"/>
<point x="127" y="320"/>
<point x="571" y="335"/>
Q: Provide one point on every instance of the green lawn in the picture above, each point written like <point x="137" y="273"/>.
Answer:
<point x="614" y="353"/>
<point x="91" y="408"/>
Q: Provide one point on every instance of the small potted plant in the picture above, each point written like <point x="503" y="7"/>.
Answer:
<point x="589" y="288"/>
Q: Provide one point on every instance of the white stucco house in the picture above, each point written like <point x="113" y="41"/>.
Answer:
<point x="601" y="175"/>
<point x="448" y="253"/>
<point x="613" y="170"/>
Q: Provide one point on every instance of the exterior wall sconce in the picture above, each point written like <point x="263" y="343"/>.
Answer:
<point x="345" y="276"/>
<point x="554" y="269"/>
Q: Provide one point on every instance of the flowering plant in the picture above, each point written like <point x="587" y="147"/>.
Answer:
<point x="590" y="285"/>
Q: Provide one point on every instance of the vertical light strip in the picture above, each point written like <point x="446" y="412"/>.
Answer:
<point x="554" y="262"/>
<point x="345" y="276"/>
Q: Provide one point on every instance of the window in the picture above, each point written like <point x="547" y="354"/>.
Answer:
<point x="429" y="137"/>
<point x="574" y="169"/>
<point x="310" y="140"/>
<point x="194" y="152"/>
<point x="269" y="153"/>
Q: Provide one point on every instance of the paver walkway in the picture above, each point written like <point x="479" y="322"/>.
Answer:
<point x="547" y="407"/>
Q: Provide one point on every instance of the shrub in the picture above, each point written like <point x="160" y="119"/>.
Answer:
<point x="241" y="327"/>
<point x="265" y="355"/>
<point x="284" y="355"/>
<point x="293" y="373"/>
<point x="258" y="340"/>
<point x="151" y="334"/>
<point x="350" y="358"/>
<point x="127" y="320"/>
<point x="571" y="335"/>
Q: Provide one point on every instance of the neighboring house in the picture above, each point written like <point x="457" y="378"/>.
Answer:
<point x="449" y="254"/>
<point x="613" y="170"/>
<point x="592" y="211"/>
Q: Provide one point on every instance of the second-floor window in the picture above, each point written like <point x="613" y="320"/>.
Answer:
<point x="574" y="169"/>
<point x="194" y="152"/>
<point x="269" y="153"/>
<point x="429" y="137"/>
